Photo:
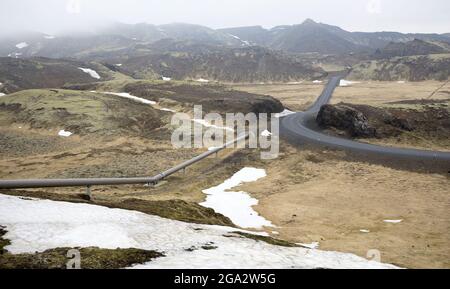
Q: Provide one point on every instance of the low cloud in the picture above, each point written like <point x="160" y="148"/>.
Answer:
<point x="73" y="6"/>
<point x="374" y="7"/>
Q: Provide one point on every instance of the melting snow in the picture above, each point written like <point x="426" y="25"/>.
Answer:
<point x="207" y="124"/>
<point x="237" y="205"/>
<point x="91" y="72"/>
<point x="202" y="80"/>
<point x="243" y="41"/>
<point x="393" y="221"/>
<point x="135" y="98"/>
<point x="64" y="133"/>
<point x="285" y="112"/>
<point x="39" y="225"/>
<point x="313" y="245"/>
<point x="22" y="45"/>
<point x="166" y="78"/>
<point x="2" y="94"/>
<point x="344" y="83"/>
<point x="168" y="110"/>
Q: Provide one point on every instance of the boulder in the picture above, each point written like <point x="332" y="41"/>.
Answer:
<point x="347" y="119"/>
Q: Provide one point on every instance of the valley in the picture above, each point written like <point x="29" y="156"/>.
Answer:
<point x="100" y="105"/>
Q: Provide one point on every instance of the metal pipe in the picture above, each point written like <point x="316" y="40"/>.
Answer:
<point x="54" y="183"/>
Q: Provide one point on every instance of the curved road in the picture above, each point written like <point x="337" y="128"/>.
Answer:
<point x="301" y="127"/>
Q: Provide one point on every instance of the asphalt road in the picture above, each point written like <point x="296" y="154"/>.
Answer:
<point x="301" y="128"/>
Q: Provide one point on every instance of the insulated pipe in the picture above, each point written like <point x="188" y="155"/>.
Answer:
<point x="54" y="183"/>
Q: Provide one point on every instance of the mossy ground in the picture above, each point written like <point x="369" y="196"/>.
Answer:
<point x="90" y="258"/>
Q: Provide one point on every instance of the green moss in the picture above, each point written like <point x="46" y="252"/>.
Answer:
<point x="175" y="210"/>
<point x="91" y="258"/>
<point x="3" y="242"/>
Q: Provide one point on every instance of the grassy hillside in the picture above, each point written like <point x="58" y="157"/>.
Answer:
<point x="412" y="68"/>
<point x="18" y="74"/>
<point x="79" y="112"/>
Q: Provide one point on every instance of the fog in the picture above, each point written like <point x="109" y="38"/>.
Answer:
<point x="55" y="16"/>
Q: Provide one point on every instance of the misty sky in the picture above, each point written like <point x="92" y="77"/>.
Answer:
<point x="52" y="16"/>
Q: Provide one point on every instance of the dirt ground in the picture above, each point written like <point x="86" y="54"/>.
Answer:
<point x="319" y="197"/>
<point x="295" y="97"/>
<point x="379" y="93"/>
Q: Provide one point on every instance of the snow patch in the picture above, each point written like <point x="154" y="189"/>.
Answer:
<point x="132" y="97"/>
<point x="393" y="221"/>
<point x="91" y="72"/>
<point x="64" y="133"/>
<point x="49" y="37"/>
<point x="243" y="41"/>
<point x="401" y="82"/>
<point x="37" y="225"/>
<point x="22" y="45"/>
<point x="237" y="205"/>
<point x="284" y="113"/>
<point x="202" y="80"/>
<point x="317" y="81"/>
<point x="168" y="110"/>
<point x="207" y="124"/>
<point x="364" y="231"/>
<point x="166" y="78"/>
<point x="345" y="83"/>
<point x="119" y="64"/>
<point x="313" y="245"/>
<point x="2" y="94"/>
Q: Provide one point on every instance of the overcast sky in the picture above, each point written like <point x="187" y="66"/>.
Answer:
<point x="52" y="16"/>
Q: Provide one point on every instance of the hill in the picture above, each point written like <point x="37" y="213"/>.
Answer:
<point x="186" y="60"/>
<point x="18" y="74"/>
<point x="415" y="47"/>
<point x="79" y="112"/>
<point x="410" y="68"/>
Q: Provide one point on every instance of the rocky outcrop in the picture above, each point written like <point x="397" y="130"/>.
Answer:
<point x="347" y="119"/>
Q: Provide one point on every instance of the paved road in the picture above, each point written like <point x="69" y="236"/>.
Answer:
<point x="301" y="127"/>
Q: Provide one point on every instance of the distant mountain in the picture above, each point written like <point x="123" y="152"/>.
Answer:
<point x="186" y="51"/>
<point x="253" y="34"/>
<point x="307" y="37"/>
<point x="190" y="60"/>
<point x="149" y="33"/>
<point x="415" y="47"/>
<point x="311" y="36"/>
<point x="18" y="74"/>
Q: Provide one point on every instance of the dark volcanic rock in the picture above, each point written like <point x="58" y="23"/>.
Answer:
<point x="347" y="119"/>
